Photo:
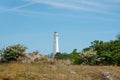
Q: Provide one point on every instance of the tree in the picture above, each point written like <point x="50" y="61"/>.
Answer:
<point x="12" y="53"/>
<point x="108" y="52"/>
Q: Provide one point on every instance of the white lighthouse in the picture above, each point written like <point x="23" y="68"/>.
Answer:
<point x="56" y="46"/>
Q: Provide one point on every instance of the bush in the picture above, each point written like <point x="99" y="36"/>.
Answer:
<point x="87" y="57"/>
<point x="73" y="56"/>
<point x="63" y="56"/>
<point x="12" y="53"/>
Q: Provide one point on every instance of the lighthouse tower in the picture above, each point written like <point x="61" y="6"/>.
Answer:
<point x="56" y="46"/>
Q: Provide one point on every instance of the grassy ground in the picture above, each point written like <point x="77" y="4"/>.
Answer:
<point x="44" y="71"/>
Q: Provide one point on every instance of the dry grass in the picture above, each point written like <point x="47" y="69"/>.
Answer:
<point x="44" y="71"/>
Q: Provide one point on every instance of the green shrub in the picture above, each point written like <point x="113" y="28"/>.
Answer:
<point x="12" y="53"/>
<point x="87" y="57"/>
<point x="73" y="56"/>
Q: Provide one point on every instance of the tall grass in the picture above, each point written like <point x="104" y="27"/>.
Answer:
<point x="59" y="71"/>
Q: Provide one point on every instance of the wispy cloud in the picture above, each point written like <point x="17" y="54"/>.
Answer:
<point x="79" y="5"/>
<point x="74" y="5"/>
<point x="89" y="3"/>
<point x="15" y="8"/>
<point x="99" y="7"/>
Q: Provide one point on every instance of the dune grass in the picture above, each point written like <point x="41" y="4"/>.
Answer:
<point x="44" y="71"/>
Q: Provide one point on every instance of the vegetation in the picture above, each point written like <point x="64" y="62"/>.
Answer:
<point x="12" y="53"/>
<point x="65" y="56"/>
<point x="108" y="52"/>
<point x="99" y="53"/>
<point x="87" y="57"/>
<point x="58" y="71"/>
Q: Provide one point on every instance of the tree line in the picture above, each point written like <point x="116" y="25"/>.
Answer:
<point x="98" y="53"/>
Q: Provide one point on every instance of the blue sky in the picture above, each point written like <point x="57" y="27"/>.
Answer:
<point x="78" y="22"/>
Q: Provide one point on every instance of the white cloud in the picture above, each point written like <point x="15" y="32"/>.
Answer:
<point x="15" y="8"/>
<point x="72" y="5"/>
<point x="101" y="7"/>
<point x="90" y="3"/>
